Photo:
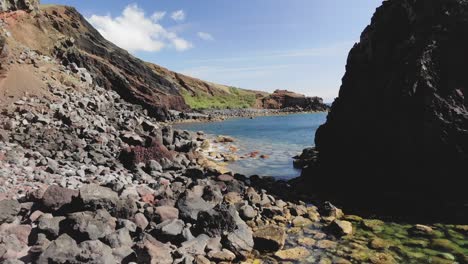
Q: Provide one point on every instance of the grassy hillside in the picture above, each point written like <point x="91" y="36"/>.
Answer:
<point x="235" y="98"/>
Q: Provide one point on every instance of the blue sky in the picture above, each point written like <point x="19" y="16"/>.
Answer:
<point x="299" y="45"/>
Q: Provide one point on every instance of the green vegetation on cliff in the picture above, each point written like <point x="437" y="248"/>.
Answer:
<point x="236" y="98"/>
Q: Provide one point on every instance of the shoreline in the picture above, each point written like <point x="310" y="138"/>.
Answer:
<point x="226" y="114"/>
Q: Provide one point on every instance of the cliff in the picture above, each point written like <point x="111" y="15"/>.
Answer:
<point x="398" y="132"/>
<point x="63" y="33"/>
<point x="280" y="99"/>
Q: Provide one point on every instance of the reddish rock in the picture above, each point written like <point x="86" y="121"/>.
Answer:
<point x="21" y="232"/>
<point x="225" y="178"/>
<point x="139" y="154"/>
<point x="55" y="197"/>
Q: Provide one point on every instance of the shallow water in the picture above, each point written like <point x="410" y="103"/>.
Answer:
<point x="279" y="137"/>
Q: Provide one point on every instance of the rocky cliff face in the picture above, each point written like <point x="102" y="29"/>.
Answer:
<point x="281" y="99"/>
<point x="399" y="127"/>
<point x="13" y="5"/>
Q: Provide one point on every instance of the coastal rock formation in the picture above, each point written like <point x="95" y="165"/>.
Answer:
<point x="281" y="99"/>
<point x="398" y="132"/>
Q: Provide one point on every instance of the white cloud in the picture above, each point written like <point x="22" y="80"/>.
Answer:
<point x="178" y="15"/>
<point x="133" y="31"/>
<point x="157" y="16"/>
<point x="205" y="36"/>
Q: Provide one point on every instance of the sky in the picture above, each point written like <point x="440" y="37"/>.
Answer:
<point x="298" y="45"/>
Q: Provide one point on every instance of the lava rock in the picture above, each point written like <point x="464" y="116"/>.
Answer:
<point x="269" y="238"/>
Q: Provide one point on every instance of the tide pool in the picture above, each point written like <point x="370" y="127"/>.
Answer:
<point x="279" y="137"/>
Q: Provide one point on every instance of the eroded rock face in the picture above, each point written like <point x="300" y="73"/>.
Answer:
<point x="282" y="99"/>
<point x="13" y="5"/>
<point x="400" y="123"/>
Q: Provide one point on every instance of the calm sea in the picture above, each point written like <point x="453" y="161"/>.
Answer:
<point x="279" y="137"/>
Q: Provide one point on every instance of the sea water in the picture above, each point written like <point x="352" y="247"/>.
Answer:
<point x="278" y="137"/>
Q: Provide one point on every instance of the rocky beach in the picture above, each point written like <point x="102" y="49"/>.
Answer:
<point x="92" y="171"/>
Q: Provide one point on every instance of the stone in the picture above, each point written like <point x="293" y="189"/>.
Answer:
<point x="92" y="225"/>
<point x="240" y="242"/>
<point x="9" y="209"/>
<point x="200" y="259"/>
<point x="55" y="197"/>
<point x="232" y="198"/>
<point x="141" y="221"/>
<point x="300" y="221"/>
<point x="164" y="213"/>
<point x="341" y="228"/>
<point x="62" y="250"/>
<point x="421" y="230"/>
<point x="21" y="232"/>
<point x="194" y="173"/>
<point x="217" y="221"/>
<point x="95" y="252"/>
<point x="95" y="196"/>
<point x="247" y="212"/>
<point x="170" y="228"/>
<point x="326" y="244"/>
<point x="225" y="178"/>
<point x="196" y="246"/>
<point x="149" y="250"/>
<point x="293" y="254"/>
<point x="214" y="244"/>
<point x="154" y="166"/>
<point x="50" y="225"/>
<point x="191" y="203"/>
<point x="306" y="241"/>
<point x="223" y="255"/>
<point x="269" y="238"/>
<point x="120" y="238"/>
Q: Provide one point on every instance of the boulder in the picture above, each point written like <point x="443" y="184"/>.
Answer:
<point x="150" y="250"/>
<point x="195" y="246"/>
<point x="95" y="197"/>
<point x="62" y="250"/>
<point x="120" y="238"/>
<point x="222" y="255"/>
<point x="191" y="204"/>
<point x="247" y="212"/>
<point x="341" y="228"/>
<point x="169" y="229"/>
<point x="55" y="197"/>
<point x="50" y="225"/>
<point x="164" y="213"/>
<point x="9" y="209"/>
<point x="216" y="221"/>
<point x="269" y="238"/>
<point x="95" y="252"/>
<point x="91" y="225"/>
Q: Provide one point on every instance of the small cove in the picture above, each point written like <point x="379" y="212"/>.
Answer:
<point x="278" y="137"/>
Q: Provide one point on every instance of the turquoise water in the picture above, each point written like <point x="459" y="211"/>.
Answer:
<point x="279" y="137"/>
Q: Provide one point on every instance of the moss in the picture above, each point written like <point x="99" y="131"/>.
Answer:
<point x="439" y="260"/>
<point x="446" y="245"/>
<point x="373" y="225"/>
<point x="235" y="99"/>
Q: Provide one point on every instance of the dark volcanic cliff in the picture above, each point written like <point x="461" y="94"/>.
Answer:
<point x="399" y="129"/>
